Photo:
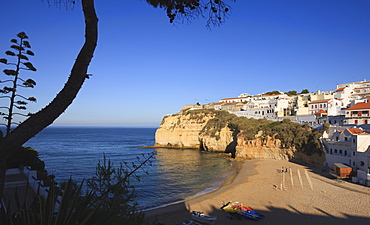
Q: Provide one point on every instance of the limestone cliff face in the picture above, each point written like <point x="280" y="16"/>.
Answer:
<point x="184" y="131"/>
<point x="180" y="131"/>
<point x="259" y="148"/>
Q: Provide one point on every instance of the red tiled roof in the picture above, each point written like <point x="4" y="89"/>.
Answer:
<point x="229" y="98"/>
<point x="318" y="101"/>
<point x="340" y="89"/>
<point x="355" y="130"/>
<point x="320" y="111"/>
<point x="360" y="105"/>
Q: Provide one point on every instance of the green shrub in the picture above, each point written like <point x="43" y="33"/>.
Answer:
<point x="27" y="156"/>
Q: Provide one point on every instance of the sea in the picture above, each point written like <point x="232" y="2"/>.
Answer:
<point x="173" y="175"/>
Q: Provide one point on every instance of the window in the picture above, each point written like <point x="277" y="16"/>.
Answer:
<point x="356" y="121"/>
<point x="362" y="163"/>
<point x="346" y="138"/>
<point x="345" y="153"/>
<point x="331" y="151"/>
<point x="354" y="153"/>
<point x="340" y="152"/>
<point x="335" y="150"/>
<point x="354" y="140"/>
<point x="365" y="121"/>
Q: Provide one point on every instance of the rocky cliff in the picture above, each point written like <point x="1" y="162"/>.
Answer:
<point x="205" y="130"/>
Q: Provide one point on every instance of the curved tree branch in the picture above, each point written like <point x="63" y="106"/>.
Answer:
<point x="65" y="97"/>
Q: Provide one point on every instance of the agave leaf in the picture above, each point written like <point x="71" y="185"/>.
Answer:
<point x="29" y="52"/>
<point x="27" y="44"/>
<point x="31" y="81"/>
<point x="5" y="61"/>
<point x="49" y="205"/>
<point x="29" y="66"/>
<point x="32" y="99"/>
<point x="64" y="202"/>
<point x="22" y="35"/>
<point x="17" y="47"/>
<point x="10" y="53"/>
<point x="22" y="57"/>
<point x="10" y="72"/>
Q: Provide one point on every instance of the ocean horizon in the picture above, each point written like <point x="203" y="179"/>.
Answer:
<point x="175" y="174"/>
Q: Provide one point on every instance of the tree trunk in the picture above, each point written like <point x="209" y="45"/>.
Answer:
<point x="65" y="97"/>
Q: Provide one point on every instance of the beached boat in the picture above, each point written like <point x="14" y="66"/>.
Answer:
<point x="249" y="214"/>
<point x="234" y="208"/>
<point x="202" y="218"/>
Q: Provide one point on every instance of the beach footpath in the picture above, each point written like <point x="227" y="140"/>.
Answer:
<point x="286" y="193"/>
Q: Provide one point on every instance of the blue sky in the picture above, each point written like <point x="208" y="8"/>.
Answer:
<point x="145" y="68"/>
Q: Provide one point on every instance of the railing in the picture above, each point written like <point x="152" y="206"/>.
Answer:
<point x="37" y="185"/>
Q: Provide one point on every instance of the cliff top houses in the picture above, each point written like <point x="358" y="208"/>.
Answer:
<point x="346" y="109"/>
<point x="334" y="107"/>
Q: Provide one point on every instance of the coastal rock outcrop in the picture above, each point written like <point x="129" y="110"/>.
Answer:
<point x="180" y="131"/>
<point x="205" y="130"/>
<point x="259" y="148"/>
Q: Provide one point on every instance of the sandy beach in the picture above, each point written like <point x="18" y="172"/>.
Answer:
<point x="302" y="196"/>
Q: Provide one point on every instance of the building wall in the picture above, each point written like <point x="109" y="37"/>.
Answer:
<point x="351" y="149"/>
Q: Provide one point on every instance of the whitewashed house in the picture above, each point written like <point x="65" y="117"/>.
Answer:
<point x="363" y="91"/>
<point x="280" y="106"/>
<point x="256" y="109"/>
<point x="330" y="107"/>
<point x="230" y="100"/>
<point x="358" y="114"/>
<point x="353" y="91"/>
<point x="351" y="147"/>
<point x="301" y="104"/>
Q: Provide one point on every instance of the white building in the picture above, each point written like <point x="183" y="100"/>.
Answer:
<point x="353" y="91"/>
<point x="330" y="107"/>
<point x="352" y="147"/>
<point x="256" y="109"/>
<point x="281" y="106"/>
<point x="358" y="114"/>
<point x="230" y="100"/>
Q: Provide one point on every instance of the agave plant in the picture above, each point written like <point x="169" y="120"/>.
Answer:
<point x="73" y="208"/>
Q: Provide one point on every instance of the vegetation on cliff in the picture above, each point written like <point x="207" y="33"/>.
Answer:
<point x="27" y="156"/>
<point x="292" y="135"/>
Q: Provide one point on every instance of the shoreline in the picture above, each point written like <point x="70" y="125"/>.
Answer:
<point x="235" y="168"/>
<point x="183" y="205"/>
<point x="307" y="197"/>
